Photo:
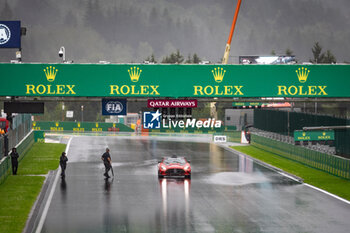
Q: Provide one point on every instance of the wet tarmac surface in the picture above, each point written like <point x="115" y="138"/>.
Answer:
<point x="227" y="193"/>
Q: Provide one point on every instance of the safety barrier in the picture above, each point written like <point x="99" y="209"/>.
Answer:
<point x="232" y="136"/>
<point x="22" y="148"/>
<point x="328" y="163"/>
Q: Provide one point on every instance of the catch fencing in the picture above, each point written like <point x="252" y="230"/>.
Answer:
<point x="21" y="126"/>
<point x="283" y="122"/>
<point x="331" y="164"/>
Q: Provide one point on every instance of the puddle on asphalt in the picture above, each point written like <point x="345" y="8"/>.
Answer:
<point x="147" y="167"/>
<point x="236" y="178"/>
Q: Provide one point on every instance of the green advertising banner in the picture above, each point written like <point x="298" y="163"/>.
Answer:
<point x="39" y="136"/>
<point x="80" y="126"/>
<point x="246" y="104"/>
<point x="136" y="80"/>
<point x="313" y="135"/>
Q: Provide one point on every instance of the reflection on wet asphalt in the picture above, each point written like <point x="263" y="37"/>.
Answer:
<point x="227" y="193"/>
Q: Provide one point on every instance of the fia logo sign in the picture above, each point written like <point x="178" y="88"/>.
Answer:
<point x="5" y="34"/>
<point x="151" y="120"/>
<point x="114" y="107"/>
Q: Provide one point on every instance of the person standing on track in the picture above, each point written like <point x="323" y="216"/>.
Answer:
<point x="63" y="164"/>
<point x="106" y="158"/>
<point x="14" y="160"/>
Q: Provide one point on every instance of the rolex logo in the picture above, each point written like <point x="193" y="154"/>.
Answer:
<point x="302" y="74"/>
<point x="50" y="73"/>
<point x="218" y="74"/>
<point x="34" y="123"/>
<point x="57" y="124"/>
<point x="78" y="125"/>
<point x="324" y="133"/>
<point x="96" y="125"/>
<point x="304" y="134"/>
<point x="134" y="73"/>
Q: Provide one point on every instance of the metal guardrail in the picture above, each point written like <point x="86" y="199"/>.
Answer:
<point x="331" y="164"/>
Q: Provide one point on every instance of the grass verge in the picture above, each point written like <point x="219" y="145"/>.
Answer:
<point x="41" y="158"/>
<point x="18" y="193"/>
<point x="320" y="179"/>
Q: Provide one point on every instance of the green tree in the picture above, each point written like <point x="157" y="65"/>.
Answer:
<point x="178" y="57"/>
<point x="151" y="58"/>
<point x="317" y="53"/>
<point x="329" y="57"/>
<point x="189" y="59"/>
<point x="289" y="52"/>
<point x="196" y="59"/>
<point x="320" y="57"/>
<point x="273" y="52"/>
<point x="174" y="58"/>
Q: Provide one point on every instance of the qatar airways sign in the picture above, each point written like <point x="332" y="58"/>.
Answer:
<point x="172" y="103"/>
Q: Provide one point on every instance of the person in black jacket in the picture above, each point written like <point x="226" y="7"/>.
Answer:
<point x="106" y="158"/>
<point x="63" y="164"/>
<point x="14" y="160"/>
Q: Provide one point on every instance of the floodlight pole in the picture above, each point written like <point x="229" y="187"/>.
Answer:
<point x="228" y="45"/>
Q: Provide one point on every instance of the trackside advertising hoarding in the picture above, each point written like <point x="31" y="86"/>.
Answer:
<point x="174" y="81"/>
<point x="314" y="135"/>
<point x="80" y="126"/>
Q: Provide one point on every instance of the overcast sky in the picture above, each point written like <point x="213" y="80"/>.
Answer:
<point x="131" y="30"/>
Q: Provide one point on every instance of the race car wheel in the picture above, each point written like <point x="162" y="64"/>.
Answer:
<point x="188" y="177"/>
<point x="160" y="176"/>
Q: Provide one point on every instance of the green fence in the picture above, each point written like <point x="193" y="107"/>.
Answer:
<point x="332" y="164"/>
<point x="5" y="165"/>
<point x="277" y="121"/>
<point x="2" y="147"/>
<point x="22" y="148"/>
<point x="80" y="126"/>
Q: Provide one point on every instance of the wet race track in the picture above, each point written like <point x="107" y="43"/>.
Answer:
<point x="227" y="193"/>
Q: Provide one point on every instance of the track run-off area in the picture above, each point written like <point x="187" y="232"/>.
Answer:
<point x="227" y="193"/>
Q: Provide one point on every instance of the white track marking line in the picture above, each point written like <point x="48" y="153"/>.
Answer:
<point x="290" y="177"/>
<point x="325" y="192"/>
<point x="48" y="202"/>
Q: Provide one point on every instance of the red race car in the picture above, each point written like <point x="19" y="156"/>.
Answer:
<point x="175" y="167"/>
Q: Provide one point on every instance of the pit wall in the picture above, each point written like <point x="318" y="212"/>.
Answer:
<point x="331" y="164"/>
